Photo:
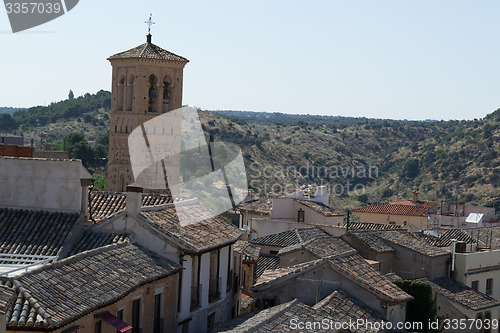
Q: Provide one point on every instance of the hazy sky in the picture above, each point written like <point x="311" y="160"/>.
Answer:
<point x="401" y="59"/>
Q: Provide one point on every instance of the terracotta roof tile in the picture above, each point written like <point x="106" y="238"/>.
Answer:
<point x="276" y="275"/>
<point x="444" y="240"/>
<point x="321" y="247"/>
<point x="104" y="204"/>
<point x="7" y="297"/>
<point x="290" y="237"/>
<point x="405" y="207"/>
<point x="356" y="269"/>
<point x="342" y="308"/>
<point x="199" y="236"/>
<point x="372" y="226"/>
<point x="408" y="240"/>
<point x="148" y="51"/>
<point x="265" y="262"/>
<point x="372" y="241"/>
<point x="353" y="267"/>
<point x="462" y="294"/>
<point x="58" y="293"/>
<point x="248" y="251"/>
<point x="257" y="206"/>
<point x="318" y="207"/>
<point x="92" y="239"/>
<point x="34" y="232"/>
<point x="336" y="307"/>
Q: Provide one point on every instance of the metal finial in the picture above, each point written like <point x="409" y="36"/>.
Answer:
<point x="149" y="23"/>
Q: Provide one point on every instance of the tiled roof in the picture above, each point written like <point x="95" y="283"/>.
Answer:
<point x="257" y="206"/>
<point x="372" y="241"/>
<point x="341" y="308"/>
<point x="290" y="237"/>
<point x="92" y="239"/>
<point x="357" y="270"/>
<point x="322" y="247"/>
<point x="318" y="207"/>
<point x="462" y="294"/>
<point x="410" y="241"/>
<point x="104" y="204"/>
<point x="149" y="51"/>
<point x="34" y="232"/>
<point x="372" y="226"/>
<point x="7" y="297"/>
<point x="444" y="240"/>
<point x="336" y="307"/>
<point x="204" y="235"/>
<point x="248" y="251"/>
<point x="353" y="267"/>
<point x="265" y="262"/>
<point x="405" y="207"/>
<point x="280" y="274"/>
<point x="59" y="293"/>
<point x="275" y="319"/>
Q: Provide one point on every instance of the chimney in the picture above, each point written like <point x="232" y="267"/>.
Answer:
<point x="453" y="251"/>
<point x="134" y="199"/>
<point x="415" y="196"/>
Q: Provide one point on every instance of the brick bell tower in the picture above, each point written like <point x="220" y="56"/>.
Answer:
<point x="146" y="82"/>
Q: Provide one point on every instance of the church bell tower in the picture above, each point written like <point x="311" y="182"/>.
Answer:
<point x="146" y="82"/>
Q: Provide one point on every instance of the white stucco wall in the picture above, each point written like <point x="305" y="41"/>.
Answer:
<point x="42" y="184"/>
<point x="479" y="266"/>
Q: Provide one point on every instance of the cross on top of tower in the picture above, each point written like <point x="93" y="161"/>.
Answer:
<point x="149" y="23"/>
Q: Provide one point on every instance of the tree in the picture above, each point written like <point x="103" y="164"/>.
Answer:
<point x="71" y="95"/>
<point x="423" y="308"/>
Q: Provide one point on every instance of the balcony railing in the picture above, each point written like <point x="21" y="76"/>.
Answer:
<point x="195" y="296"/>
<point x="214" y="289"/>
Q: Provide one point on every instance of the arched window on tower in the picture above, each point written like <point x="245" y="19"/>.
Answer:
<point x="167" y="93"/>
<point x="152" y="93"/>
<point x="121" y="87"/>
<point x="130" y="91"/>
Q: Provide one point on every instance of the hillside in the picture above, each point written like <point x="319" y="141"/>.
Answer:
<point x="362" y="160"/>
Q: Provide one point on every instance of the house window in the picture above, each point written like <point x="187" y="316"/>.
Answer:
<point x="136" y="315"/>
<point x="157" y="314"/>
<point x="211" y="322"/>
<point x="392" y="222"/>
<point x="475" y="285"/>
<point x="300" y="217"/>
<point x="98" y="326"/>
<point x="489" y="286"/>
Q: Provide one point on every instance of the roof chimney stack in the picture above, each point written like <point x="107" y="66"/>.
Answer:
<point x="415" y="196"/>
<point x="134" y="199"/>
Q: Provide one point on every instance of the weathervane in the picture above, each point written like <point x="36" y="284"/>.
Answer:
<point x="149" y="23"/>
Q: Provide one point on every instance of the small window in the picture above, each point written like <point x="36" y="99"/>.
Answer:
<point x="300" y="217"/>
<point x="392" y="222"/>
<point x="98" y="327"/>
<point x="475" y="285"/>
<point x="489" y="286"/>
<point x="136" y="316"/>
<point x="211" y="322"/>
<point x="273" y="253"/>
<point x="157" y="321"/>
<point x="119" y="315"/>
